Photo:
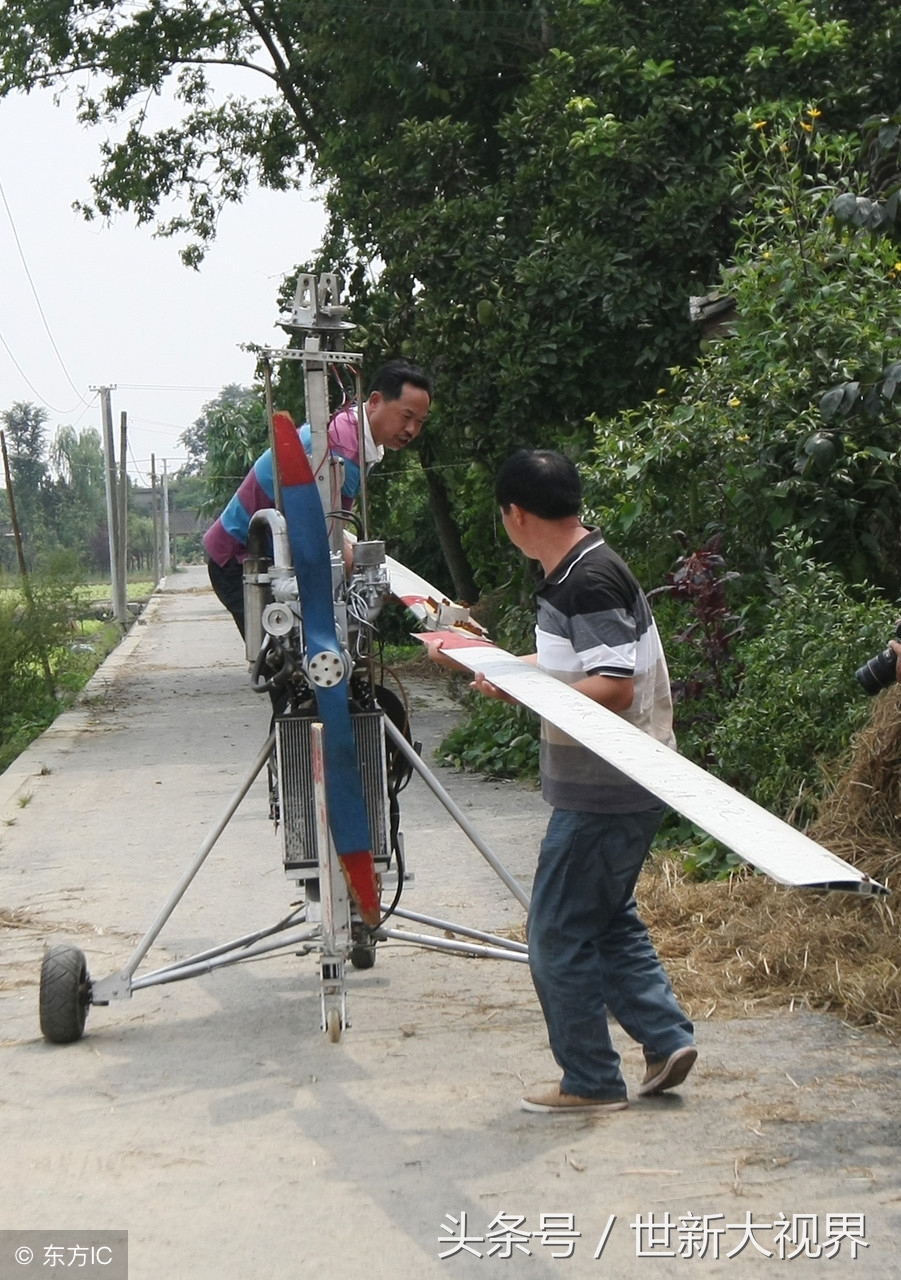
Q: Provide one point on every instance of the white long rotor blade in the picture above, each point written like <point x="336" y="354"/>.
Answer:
<point x="781" y="851"/>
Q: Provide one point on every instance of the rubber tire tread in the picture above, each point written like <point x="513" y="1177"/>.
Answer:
<point x="64" y="995"/>
<point x="362" y="956"/>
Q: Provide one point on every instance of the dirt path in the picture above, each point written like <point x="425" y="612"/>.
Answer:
<point x="214" y="1122"/>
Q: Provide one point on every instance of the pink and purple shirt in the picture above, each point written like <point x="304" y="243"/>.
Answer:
<point x="227" y="538"/>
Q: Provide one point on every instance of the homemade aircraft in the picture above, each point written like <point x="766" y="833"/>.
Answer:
<point x="340" y="751"/>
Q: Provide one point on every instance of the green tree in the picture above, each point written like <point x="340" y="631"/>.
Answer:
<point x="545" y="277"/>
<point x="316" y="76"/>
<point x="77" y="499"/>
<point x="223" y="443"/>
<point x="739" y="444"/>
<point x="196" y="438"/>
<point x="541" y="184"/>
<point x="140" y="543"/>
<point x="24" y="426"/>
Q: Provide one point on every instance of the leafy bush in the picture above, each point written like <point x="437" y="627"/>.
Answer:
<point x="739" y="445"/>
<point x="777" y="727"/>
<point x="798" y="703"/>
<point x="40" y="670"/>
<point x="702" y="857"/>
<point x="700" y="650"/>
<point x="496" y="739"/>
<point x="27" y="699"/>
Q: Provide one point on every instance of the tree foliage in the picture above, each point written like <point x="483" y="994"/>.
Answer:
<point x="24" y="427"/>
<point x="797" y="705"/>
<point x="541" y="185"/>
<point x="223" y="443"/>
<point x="750" y="441"/>
<point x="522" y="197"/>
<point x="58" y="488"/>
<point x="77" y="499"/>
<point x="322" y="79"/>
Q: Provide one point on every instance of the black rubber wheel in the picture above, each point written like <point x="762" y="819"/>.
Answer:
<point x="362" y="957"/>
<point x="65" y="994"/>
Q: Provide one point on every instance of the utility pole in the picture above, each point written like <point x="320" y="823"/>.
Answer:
<point x="123" y="510"/>
<point x="166" y="557"/>
<point x="112" y="505"/>
<point x="156" y="521"/>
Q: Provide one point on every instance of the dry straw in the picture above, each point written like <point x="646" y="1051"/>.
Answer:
<point x="747" y="944"/>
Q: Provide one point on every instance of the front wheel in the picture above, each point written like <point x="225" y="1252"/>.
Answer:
<point x="362" y="955"/>
<point x="65" y="995"/>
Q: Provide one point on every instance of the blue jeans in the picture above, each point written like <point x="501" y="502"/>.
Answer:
<point x="590" y="952"/>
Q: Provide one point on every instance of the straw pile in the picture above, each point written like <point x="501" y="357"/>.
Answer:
<point x="732" y="948"/>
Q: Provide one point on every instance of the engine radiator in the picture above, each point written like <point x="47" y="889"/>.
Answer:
<point x="293" y="739"/>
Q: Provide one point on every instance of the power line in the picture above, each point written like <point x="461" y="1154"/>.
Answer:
<point x="29" y="383"/>
<point x="139" y="471"/>
<point x="62" y="363"/>
<point x="160" y="386"/>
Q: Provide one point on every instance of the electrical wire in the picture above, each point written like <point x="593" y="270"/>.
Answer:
<point x="82" y="402"/>
<point x="164" y="386"/>
<point x="139" y="471"/>
<point x="56" y="350"/>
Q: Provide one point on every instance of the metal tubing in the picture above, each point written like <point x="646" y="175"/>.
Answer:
<point x="247" y="940"/>
<point x="507" y="943"/>
<point x="361" y="445"/>
<point x="190" y="968"/>
<point x="197" y="862"/>
<point x="323" y="839"/>
<point x="458" y="816"/>
<point x="460" y="948"/>
<point x="270" y="521"/>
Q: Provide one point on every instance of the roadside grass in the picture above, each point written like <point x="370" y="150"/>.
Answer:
<point x="138" y="588"/>
<point x="49" y="653"/>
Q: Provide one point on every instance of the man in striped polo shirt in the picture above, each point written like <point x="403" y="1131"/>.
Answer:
<point x="589" y="952"/>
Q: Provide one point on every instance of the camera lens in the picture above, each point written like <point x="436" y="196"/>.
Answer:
<point x="881" y="671"/>
<point x="878" y="673"/>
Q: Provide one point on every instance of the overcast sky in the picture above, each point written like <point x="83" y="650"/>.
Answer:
<point x="84" y="305"/>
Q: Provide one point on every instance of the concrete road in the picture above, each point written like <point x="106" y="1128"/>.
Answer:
<point x="213" y="1120"/>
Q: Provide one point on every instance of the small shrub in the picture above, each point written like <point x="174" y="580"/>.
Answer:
<point x="701" y="632"/>
<point x="798" y="703"/>
<point x="41" y="670"/>
<point x="496" y="739"/>
<point x="701" y="857"/>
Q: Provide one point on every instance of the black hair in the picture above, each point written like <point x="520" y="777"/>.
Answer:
<point x="542" y="482"/>
<point x="391" y="378"/>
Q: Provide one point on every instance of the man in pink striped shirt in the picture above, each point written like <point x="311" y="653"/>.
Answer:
<point x="393" y="416"/>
